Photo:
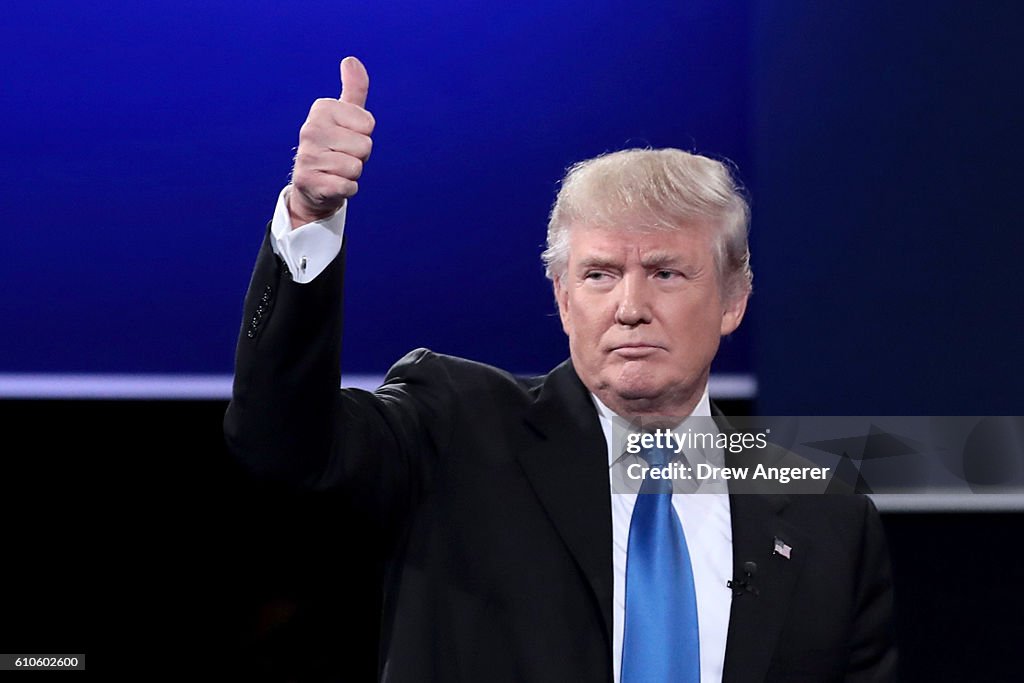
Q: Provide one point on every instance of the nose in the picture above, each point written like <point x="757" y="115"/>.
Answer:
<point x="634" y="305"/>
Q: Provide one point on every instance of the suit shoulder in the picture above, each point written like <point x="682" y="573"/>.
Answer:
<point x="463" y="373"/>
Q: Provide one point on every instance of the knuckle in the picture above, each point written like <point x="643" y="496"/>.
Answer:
<point x="320" y="104"/>
<point x="301" y="177"/>
<point x="365" y="147"/>
<point x="320" y="112"/>
<point x="304" y="160"/>
<point x="357" y="169"/>
<point x="307" y="134"/>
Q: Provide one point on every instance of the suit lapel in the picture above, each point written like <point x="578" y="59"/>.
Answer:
<point x="756" y="621"/>
<point x="568" y="470"/>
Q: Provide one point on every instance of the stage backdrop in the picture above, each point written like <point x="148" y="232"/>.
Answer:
<point x="145" y="144"/>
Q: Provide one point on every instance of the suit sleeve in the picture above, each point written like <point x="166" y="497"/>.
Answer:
<point x="289" y="420"/>
<point x="873" y="645"/>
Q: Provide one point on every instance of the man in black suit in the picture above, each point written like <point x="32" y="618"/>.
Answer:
<point x="510" y="557"/>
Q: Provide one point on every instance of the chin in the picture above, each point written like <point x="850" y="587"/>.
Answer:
<point x="633" y="392"/>
<point x="637" y="381"/>
<point x="637" y="390"/>
<point x="645" y="392"/>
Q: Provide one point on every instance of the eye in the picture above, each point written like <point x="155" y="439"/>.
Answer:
<point x="666" y="275"/>
<point x="595" y="276"/>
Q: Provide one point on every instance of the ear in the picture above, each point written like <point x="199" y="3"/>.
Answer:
<point x="732" y="315"/>
<point x="562" y="298"/>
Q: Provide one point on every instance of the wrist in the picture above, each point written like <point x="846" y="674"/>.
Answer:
<point x="299" y="215"/>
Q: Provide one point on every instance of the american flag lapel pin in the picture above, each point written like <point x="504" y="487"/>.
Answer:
<point x="781" y="548"/>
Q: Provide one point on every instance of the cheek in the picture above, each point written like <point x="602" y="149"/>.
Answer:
<point x="585" y="332"/>
<point x="697" y="324"/>
<point x="580" y="312"/>
<point x="593" y="326"/>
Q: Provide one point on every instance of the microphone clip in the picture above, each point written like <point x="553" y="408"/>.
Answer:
<point x="743" y="586"/>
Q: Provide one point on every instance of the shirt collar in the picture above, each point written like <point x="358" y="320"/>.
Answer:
<point x="616" y="428"/>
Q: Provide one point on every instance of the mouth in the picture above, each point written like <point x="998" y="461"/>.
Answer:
<point x="635" y="350"/>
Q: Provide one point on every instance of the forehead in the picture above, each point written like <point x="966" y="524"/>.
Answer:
<point x="692" y="241"/>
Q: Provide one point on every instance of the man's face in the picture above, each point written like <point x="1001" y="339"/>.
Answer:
<point x="644" y="311"/>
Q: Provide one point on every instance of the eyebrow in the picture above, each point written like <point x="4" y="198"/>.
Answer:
<point x="659" y="259"/>
<point x="650" y="261"/>
<point x="598" y="262"/>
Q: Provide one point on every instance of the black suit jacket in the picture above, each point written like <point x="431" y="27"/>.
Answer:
<point x="494" y="494"/>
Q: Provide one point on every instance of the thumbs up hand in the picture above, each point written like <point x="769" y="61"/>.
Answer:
<point x="334" y="143"/>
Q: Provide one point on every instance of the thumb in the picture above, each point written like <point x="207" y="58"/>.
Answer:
<point x="355" y="82"/>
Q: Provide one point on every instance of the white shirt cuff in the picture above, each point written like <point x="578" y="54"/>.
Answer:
<point x="308" y="249"/>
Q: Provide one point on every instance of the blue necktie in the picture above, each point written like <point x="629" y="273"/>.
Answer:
<point x="660" y="642"/>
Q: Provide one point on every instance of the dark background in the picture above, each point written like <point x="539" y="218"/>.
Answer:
<point x="166" y="559"/>
<point x="881" y="144"/>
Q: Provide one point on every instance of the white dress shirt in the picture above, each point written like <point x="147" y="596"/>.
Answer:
<point x="309" y="249"/>
<point x="707" y="524"/>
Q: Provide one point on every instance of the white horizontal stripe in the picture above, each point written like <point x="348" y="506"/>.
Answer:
<point x="212" y="387"/>
<point x="732" y="386"/>
<point x="949" y="502"/>
<point x="83" y="386"/>
<point x="88" y="386"/>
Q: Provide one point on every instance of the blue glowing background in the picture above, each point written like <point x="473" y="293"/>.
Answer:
<point x="145" y="144"/>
